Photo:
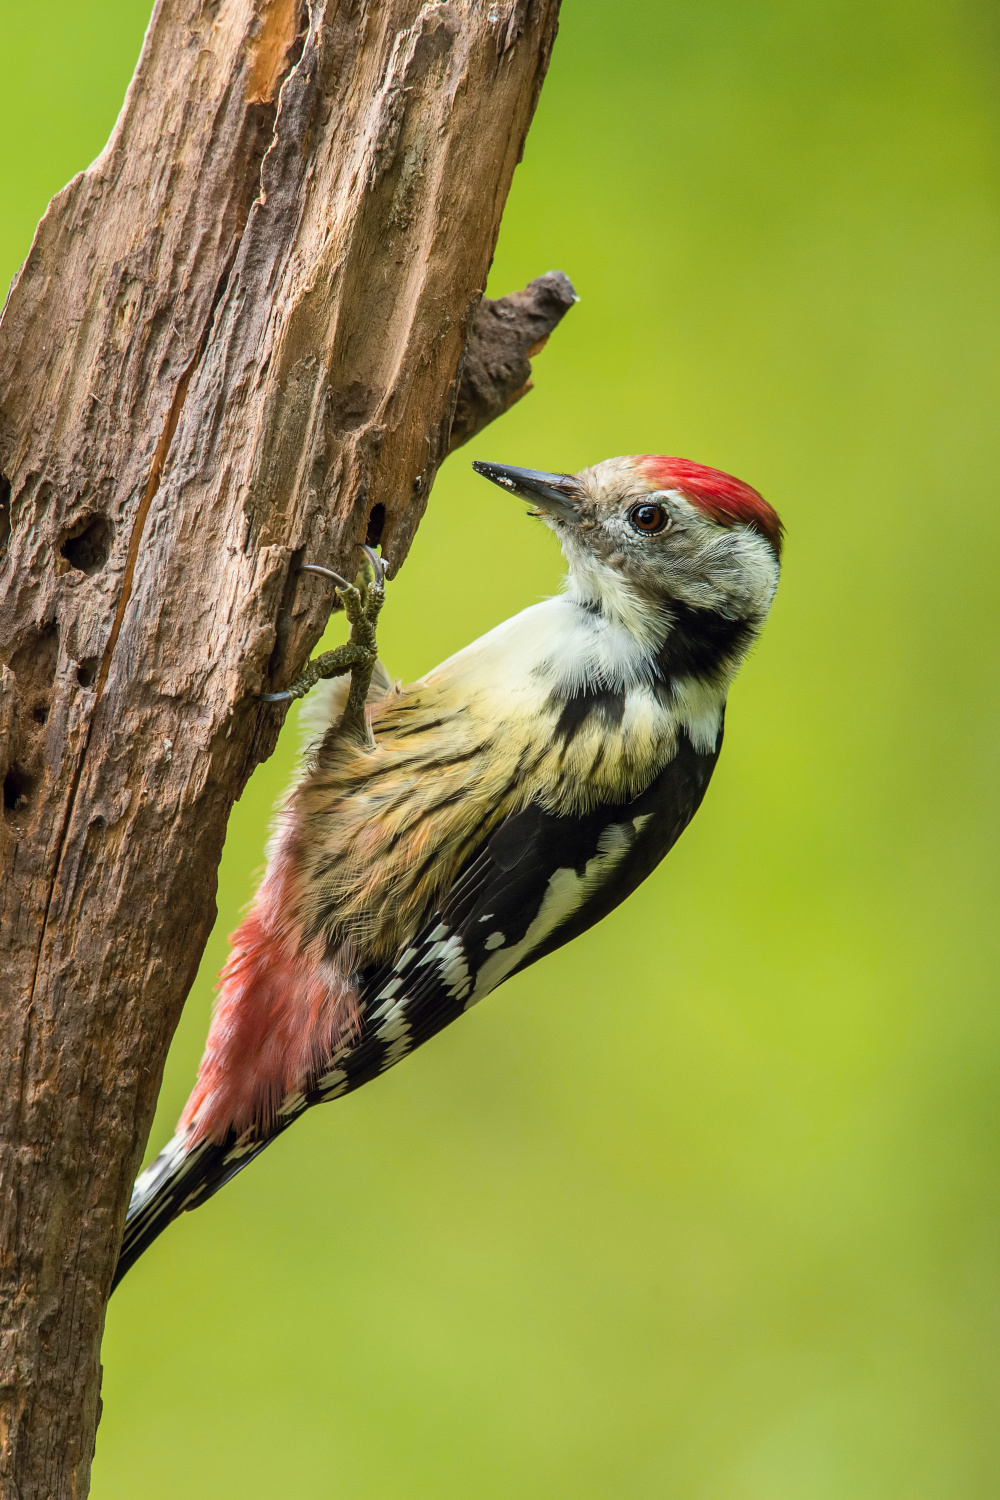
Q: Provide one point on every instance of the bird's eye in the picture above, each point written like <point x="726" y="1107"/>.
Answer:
<point x="648" y="517"/>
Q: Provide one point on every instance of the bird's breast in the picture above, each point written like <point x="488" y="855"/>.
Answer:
<point x="550" y="709"/>
<point x="578" y="699"/>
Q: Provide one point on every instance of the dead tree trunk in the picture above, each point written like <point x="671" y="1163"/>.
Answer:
<point x="236" y="343"/>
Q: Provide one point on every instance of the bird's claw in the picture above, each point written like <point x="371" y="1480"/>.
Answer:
<point x="326" y="573"/>
<point x="362" y="601"/>
<point x="377" y="565"/>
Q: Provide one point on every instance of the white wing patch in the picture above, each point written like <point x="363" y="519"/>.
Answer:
<point x="454" y="969"/>
<point x="564" y="894"/>
<point x="395" y="1032"/>
<point x="334" y="1083"/>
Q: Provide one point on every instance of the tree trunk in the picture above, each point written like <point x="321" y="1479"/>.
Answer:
<point x="236" y="344"/>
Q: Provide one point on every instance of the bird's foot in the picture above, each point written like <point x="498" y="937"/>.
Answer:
<point x="362" y="601"/>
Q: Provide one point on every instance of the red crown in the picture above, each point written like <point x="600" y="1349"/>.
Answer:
<point x="725" y="499"/>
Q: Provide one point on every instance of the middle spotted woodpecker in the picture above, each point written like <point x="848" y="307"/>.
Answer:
<point x="445" y="835"/>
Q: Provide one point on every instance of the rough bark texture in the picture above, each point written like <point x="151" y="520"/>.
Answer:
<point x="505" y="335"/>
<point x="236" y="343"/>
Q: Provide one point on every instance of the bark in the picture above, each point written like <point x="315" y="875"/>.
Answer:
<point x="505" y="335"/>
<point x="236" y="343"/>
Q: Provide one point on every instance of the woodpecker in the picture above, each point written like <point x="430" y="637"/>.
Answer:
<point x="444" y="835"/>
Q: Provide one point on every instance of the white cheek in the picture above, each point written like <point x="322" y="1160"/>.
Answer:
<point x="732" y="571"/>
<point x="760" y="573"/>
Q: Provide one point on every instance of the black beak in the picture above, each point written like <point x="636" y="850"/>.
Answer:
<point x="559" y="494"/>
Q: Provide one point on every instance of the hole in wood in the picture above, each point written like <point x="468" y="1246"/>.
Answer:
<point x="18" y="786"/>
<point x="40" y="713"/>
<point x="87" y="546"/>
<point x="376" y="524"/>
<point x="86" y="672"/>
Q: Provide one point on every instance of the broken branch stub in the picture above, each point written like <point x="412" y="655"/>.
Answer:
<point x="505" y="335"/>
<point x="236" y="336"/>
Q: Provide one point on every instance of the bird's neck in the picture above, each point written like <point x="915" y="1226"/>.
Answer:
<point x="607" y="595"/>
<point x="674" y="641"/>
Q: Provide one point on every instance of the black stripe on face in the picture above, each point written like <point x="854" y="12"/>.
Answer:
<point x="700" y="642"/>
<point x="607" y="704"/>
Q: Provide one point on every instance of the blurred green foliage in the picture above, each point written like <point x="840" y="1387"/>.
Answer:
<point x="704" y="1206"/>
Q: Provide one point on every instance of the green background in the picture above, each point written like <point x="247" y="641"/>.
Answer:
<point x="706" y="1205"/>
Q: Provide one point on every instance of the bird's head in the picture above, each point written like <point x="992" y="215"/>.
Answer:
<point x="643" y="532"/>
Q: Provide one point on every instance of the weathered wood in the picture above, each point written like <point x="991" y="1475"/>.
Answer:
<point x="505" y="335"/>
<point x="236" y="342"/>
